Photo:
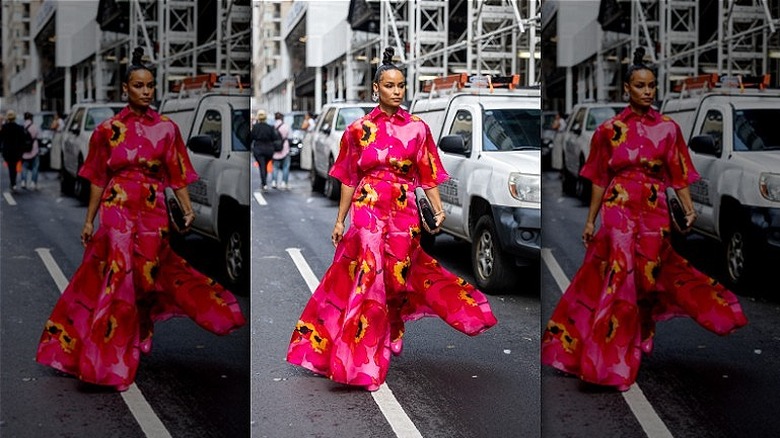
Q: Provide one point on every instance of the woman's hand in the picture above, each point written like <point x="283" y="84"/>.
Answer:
<point x="587" y="233"/>
<point x="86" y="233"/>
<point x="338" y="233"/>
<point x="189" y="217"/>
<point x="690" y="218"/>
<point x="440" y="217"/>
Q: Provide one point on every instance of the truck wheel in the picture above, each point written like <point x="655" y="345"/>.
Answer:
<point x="332" y="187"/>
<point x="492" y="268"/>
<point x="317" y="182"/>
<point x="740" y="251"/>
<point x="235" y="245"/>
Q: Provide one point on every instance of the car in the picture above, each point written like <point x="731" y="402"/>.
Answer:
<point x="294" y="120"/>
<point x="490" y="145"/>
<point x="45" y="134"/>
<point x="321" y="146"/>
<point x="573" y="144"/>
<point x="69" y="152"/>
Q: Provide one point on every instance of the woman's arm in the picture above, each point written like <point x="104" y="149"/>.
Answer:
<point x="438" y="210"/>
<point x="684" y="194"/>
<point x="596" y="193"/>
<point x="344" y="202"/>
<point x="183" y="195"/>
<point x="95" y="193"/>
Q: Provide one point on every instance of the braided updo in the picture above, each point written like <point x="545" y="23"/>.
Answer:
<point x="136" y="63"/>
<point x="387" y="64"/>
<point x="638" y="63"/>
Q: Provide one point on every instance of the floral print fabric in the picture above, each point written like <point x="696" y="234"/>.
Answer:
<point x="130" y="277"/>
<point x="631" y="276"/>
<point x="380" y="277"/>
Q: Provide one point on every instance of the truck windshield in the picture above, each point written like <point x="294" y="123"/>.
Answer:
<point x="241" y="130"/>
<point x="511" y="129"/>
<point x="754" y="129"/>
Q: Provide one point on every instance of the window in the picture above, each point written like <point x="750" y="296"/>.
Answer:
<point x="327" y="120"/>
<point x="713" y="126"/>
<point x="463" y="126"/>
<point x="511" y="130"/>
<point x="755" y="130"/>
<point x="212" y="126"/>
<point x="76" y="122"/>
<point x="349" y="115"/>
<point x="96" y="116"/>
<point x="241" y="130"/>
<point x="597" y="116"/>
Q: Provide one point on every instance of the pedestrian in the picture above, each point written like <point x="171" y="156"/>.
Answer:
<point x="130" y="277"/>
<point x="631" y="276"/>
<point x="282" y="158"/>
<point x="380" y="277"/>
<point x="31" y="159"/>
<point x="57" y="123"/>
<point x="559" y="123"/>
<point x="264" y="136"/>
<point x="13" y="139"/>
<point x="308" y="122"/>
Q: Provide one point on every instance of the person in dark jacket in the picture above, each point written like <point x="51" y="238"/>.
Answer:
<point x="12" y="138"/>
<point x="263" y="138"/>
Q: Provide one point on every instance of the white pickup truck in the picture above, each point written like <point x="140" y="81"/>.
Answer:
<point x="490" y="144"/>
<point x="735" y="146"/>
<point x="216" y="128"/>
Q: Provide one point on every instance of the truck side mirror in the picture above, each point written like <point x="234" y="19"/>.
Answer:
<point x="326" y="129"/>
<point x="203" y="144"/>
<point x="453" y="144"/>
<point x="704" y="144"/>
<point x="577" y="129"/>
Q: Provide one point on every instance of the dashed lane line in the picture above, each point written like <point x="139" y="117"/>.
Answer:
<point x="150" y="423"/>
<point x="644" y="412"/>
<point x="9" y="198"/>
<point x="401" y="424"/>
<point x="259" y="198"/>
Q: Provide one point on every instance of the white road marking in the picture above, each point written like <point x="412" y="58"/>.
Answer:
<point x="401" y="424"/>
<point x="259" y="198"/>
<point x="647" y="417"/>
<point x="9" y="199"/>
<point x="151" y="425"/>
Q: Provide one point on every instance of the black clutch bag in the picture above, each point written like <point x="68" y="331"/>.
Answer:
<point x="426" y="211"/>
<point x="677" y="214"/>
<point x="175" y="212"/>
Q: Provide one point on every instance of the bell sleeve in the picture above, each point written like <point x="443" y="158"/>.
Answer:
<point x="177" y="162"/>
<point x="678" y="162"/>
<point x="345" y="169"/>
<point x="95" y="167"/>
<point x="429" y="167"/>
<point x="596" y="167"/>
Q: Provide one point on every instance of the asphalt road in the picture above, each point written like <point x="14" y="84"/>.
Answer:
<point x="448" y="384"/>
<point x="696" y="383"/>
<point x="196" y="383"/>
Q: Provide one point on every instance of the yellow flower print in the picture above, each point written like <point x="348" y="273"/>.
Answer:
<point x="651" y="271"/>
<point x="402" y="166"/>
<point x="613" y="326"/>
<point x="353" y="269"/>
<point x="401" y="270"/>
<point x="653" y="166"/>
<point x="153" y="165"/>
<point x="361" y="328"/>
<point x="617" y="196"/>
<point x="568" y="342"/>
<point x="110" y="329"/>
<point x="113" y="269"/>
<point x="118" y="131"/>
<point x="150" y="271"/>
<point x="116" y="196"/>
<point x="368" y="196"/>
<point x="416" y="118"/>
<point x="719" y="298"/>
<point x="401" y="199"/>
<point x="464" y="295"/>
<point x="427" y="283"/>
<point x="67" y="343"/>
<point x="434" y="169"/>
<point x="619" y="132"/>
<point x="365" y="269"/>
<point x="369" y="133"/>
<point x="307" y="331"/>
<point x="217" y="298"/>
<point x="652" y="200"/>
<point x="665" y="118"/>
<point x="165" y="118"/>
<point x="151" y="200"/>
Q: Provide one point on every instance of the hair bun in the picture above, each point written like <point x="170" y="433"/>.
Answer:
<point x="639" y="56"/>
<point x="387" y="55"/>
<point x="138" y="54"/>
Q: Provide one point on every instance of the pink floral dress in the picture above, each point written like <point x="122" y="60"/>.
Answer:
<point x="631" y="277"/>
<point x="380" y="277"/>
<point x="130" y="277"/>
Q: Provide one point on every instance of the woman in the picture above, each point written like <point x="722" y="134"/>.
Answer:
<point x="380" y="277"/>
<point x="280" y="176"/>
<point x="12" y="138"/>
<point x="130" y="277"/>
<point x="263" y="138"/>
<point x="631" y="277"/>
<point x="31" y="159"/>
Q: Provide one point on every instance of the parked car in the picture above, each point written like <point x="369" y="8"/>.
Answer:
<point x="321" y="147"/>
<point x="68" y="154"/>
<point x="573" y="144"/>
<point x="490" y="144"/>
<point x="735" y="147"/>
<point x="216" y="128"/>
<point x="45" y="134"/>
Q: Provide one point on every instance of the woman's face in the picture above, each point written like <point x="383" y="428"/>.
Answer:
<point x="391" y="88"/>
<point x="641" y="89"/>
<point x="139" y="89"/>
